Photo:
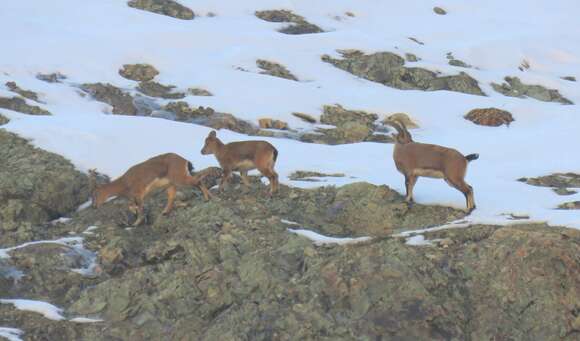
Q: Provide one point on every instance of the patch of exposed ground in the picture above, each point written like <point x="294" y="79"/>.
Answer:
<point x="297" y="24"/>
<point x="19" y="104"/>
<point x="275" y="69"/>
<point x="388" y="69"/>
<point x="169" y="8"/>
<point x="514" y="87"/>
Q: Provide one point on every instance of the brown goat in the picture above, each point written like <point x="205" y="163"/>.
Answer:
<point x="243" y="156"/>
<point x="165" y="171"/>
<point x="428" y="160"/>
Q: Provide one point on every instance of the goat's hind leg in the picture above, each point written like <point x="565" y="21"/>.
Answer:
<point x="171" y="190"/>
<point x="467" y="191"/>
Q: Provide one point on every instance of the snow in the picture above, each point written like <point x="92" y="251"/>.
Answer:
<point x="419" y="240"/>
<point x="67" y="241"/>
<point x="319" y="239"/>
<point x="91" y="42"/>
<point x="47" y="310"/>
<point x="11" y="334"/>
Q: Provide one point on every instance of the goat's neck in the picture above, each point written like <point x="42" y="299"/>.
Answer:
<point x="114" y="188"/>
<point x="220" y="150"/>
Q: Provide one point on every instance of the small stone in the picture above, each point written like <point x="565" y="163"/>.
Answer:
<point x="491" y="117"/>
<point x="439" y="10"/>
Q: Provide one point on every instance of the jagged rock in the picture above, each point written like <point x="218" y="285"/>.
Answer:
<point x="35" y="186"/>
<point x="404" y="118"/>
<point x="411" y="57"/>
<point x="514" y="87"/>
<point x="121" y="101"/>
<point x="164" y="7"/>
<point x="268" y="123"/>
<point x="311" y="175"/>
<point x="491" y="117"/>
<point x="199" y="92"/>
<point x="557" y="180"/>
<point x="3" y="120"/>
<point x="351" y="126"/>
<point x="563" y="191"/>
<point x="155" y="89"/>
<point x="388" y="69"/>
<point x="56" y="77"/>
<point x="304" y="117"/>
<point x="138" y="72"/>
<point x="299" y="24"/>
<point x="439" y="10"/>
<point x="573" y="205"/>
<point x="24" y="93"/>
<point x="20" y="105"/>
<point x="274" y="69"/>
<point x="210" y="118"/>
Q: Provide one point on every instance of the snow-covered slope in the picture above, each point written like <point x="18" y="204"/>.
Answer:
<point x="89" y="42"/>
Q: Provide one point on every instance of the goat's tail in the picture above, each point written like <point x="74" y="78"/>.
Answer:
<point x="472" y="157"/>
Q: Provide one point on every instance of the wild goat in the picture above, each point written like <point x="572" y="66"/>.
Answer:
<point x="165" y="171"/>
<point x="242" y="157"/>
<point x="419" y="159"/>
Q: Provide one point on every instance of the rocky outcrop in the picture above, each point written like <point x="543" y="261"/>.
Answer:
<point x="209" y="118"/>
<point x="35" y="186"/>
<point x="439" y="10"/>
<point x="3" y="120"/>
<point x="313" y="176"/>
<point x="298" y="25"/>
<point x="514" y="87"/>
<point x="20" y="105"/>
<point x="560" y="182"/>
<point x="12" y="86"/>
<point x="491" y="117"/>
<point x="199" y="92"/>
<point x="573" y="205"/>
<point x="351" y="126"/>
<point x="169" y="8"/>
<point x="155" y="89"/>
<point x="388" y="69"/>
<point x="229" y="269"/>
<point x="268" y="123"/>
<point x="138" y="72"/>
<point x="275" y="69"/>
<point x="121" y="101"/>
<point x="55" y="77"/>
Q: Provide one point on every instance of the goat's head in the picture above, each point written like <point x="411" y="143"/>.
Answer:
<point x="403" y="136"/>
<point x="211" y="144"/>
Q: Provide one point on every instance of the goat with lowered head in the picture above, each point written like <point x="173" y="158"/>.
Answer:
<point x="415" y="159"/>
<point x="165" y="171"/>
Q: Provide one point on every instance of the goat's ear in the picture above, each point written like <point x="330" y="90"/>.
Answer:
<point x="212" y="134"/>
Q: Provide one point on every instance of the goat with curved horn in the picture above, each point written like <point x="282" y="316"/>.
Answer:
<point x="414" y="159"/>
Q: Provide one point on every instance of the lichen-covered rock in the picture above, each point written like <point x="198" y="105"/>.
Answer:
<point x="20" y="105"/>
<point x="275" y="69"/>
<point x="209" y="118"/>
<point x="557" y="180"/>
<point x="55" y="77"/>
<point x="311" y="175"/>
<point x="24" y="93"/>
<point x="199" y="92"/>
<point x="121" y="101"/>
<point x="439" y="10"/>
<point x="491" y="117"/>
<point x="388" y="69"/>
<point x="304" y="117"/>
<point x="351" y="126"/>
<point x="3" y="120"/>
<point x="514" y="87"/>
<point x="138" y="72"/>
<point x="35" y="186"/>
<point x="155" y="89"/>
<point x="164" y="7"/>
<point x="298" y="24"/>
<point x="573" y="205"/>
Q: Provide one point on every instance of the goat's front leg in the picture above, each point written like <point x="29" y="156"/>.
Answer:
<point x="410" y="181"/>
<point x="140" y="212"/>
<point x="225" y="179"/>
